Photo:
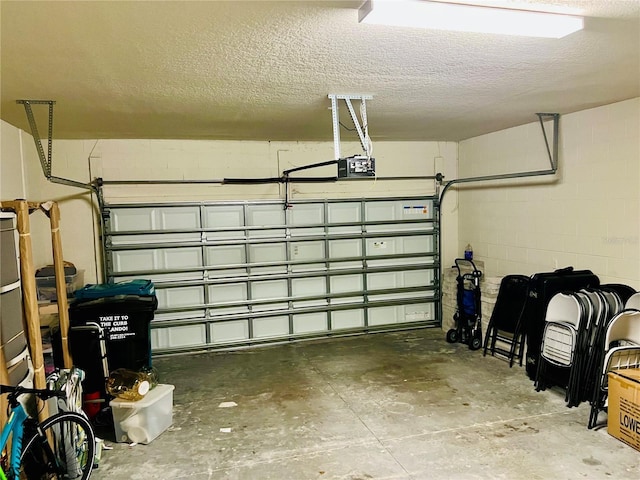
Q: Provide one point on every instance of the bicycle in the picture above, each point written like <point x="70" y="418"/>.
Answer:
<point x="61" y="447"/>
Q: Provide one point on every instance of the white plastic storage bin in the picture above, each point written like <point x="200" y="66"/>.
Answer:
<point x="142" y="421"/>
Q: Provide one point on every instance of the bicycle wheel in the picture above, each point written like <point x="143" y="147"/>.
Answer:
<point x="65" y="451"/>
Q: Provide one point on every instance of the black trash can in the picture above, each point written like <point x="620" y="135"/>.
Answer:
<point x="124" y="323"/>
<point x="108" y="329"/>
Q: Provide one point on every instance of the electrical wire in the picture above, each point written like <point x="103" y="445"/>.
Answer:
<point x="347" y="128"/>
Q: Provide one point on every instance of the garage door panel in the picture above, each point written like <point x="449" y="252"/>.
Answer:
<point x="347" y="319"/>
<point x="417" y="278"/>
<point x="346" y="265"/>
<point x="417" y="244"/>
<point x="229" y="331"/>
<point x="135" y="260"/>
<point x="223" y="216"/>
<point x="419" y="312"/>
<point x="157" y="238"/>
<point x="219" y="312"/>
<point x="225" y="255"/>
<point x="381" y="281"/>
<point x="274" y="252"/>
<point x="180" y="315"/>
<point x="400" y="245"/>
<point x="398" y="227"/>
<point x="266" y="216"/>
<point x="385" y="315"/>
<point x="381" y="211"/>
<point x="310" y="323"/>
<point x="304" y="287"/>
<point x="178" y="337"/>
<point x="270" y="307"/>
<point x="132" y="219"/>
<point x="308" y="268"/>
<point x="426" y="261"/>
<point x="269" y="289"/>
<point x="346" y="300"/>
<point x="309" y="303"/>
<point x="270" y="327"/>
<point x="181" y="257"/>
<point x="346" y="283"/>
<point x="345" y="248"/>
<point x="380" y="297"/>
<point x="180" y="296"/>
<point x="384" y="246"/>
<point x="229" y="292"/>
<point x="306" y="232"/>
<point x="223" y="273"/>
<point x="160" y="278"/>
<point x="307" y="251"/>
<point x="387" y="280"/>
<point x="251" y="272"/>
<point x="348" y="212"/>
<point x="175" y="218"/>
<point x="307" y="214"/>
<point x="155" y="218"/>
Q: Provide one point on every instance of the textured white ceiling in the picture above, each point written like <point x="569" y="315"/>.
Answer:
<point x="262" y="70"/>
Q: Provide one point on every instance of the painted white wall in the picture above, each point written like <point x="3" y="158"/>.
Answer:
<point x="78" y="210"/>
<point x="12" y="179"/>
<point x="21" y="176"/>
<point x="587" y="216"/>
<point x="83" y="160"/>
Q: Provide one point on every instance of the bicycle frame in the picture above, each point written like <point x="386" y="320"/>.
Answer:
<point x="15" y="426"/>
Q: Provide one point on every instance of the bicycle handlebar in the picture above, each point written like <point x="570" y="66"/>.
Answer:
<point x="42" y="393"/>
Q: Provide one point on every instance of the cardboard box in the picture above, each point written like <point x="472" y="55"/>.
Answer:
<point x="623" y="417"/>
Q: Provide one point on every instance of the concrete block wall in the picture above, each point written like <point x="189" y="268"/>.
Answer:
<point x="587" y="216"/>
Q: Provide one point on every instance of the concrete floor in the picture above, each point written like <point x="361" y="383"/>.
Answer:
<point x="386" y="406"/>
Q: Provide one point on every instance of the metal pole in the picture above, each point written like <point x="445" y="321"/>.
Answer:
<point x="553" y="159"/>
<point x="46" y="162"/>
<point x="336" y="126"/>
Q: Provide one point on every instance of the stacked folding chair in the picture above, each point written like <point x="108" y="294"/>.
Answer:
<point x="505" y="332"/>
<point x="611" y="302"/>
<point x="633" y="301"/>
<point x="572" y="350"/>
<point x="562" y="340"/>
<point x="621" y="350"/>
<point x="542" y="288"/>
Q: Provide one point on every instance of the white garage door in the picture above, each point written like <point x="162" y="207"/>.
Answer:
<point x="229" y="273"/>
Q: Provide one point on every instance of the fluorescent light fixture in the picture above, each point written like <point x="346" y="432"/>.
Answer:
<point x="468" y="18"/>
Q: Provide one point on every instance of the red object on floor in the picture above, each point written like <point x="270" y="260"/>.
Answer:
<point x="91" y="403"/>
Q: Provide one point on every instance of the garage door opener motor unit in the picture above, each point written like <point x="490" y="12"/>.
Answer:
<point x="356" y="166"/>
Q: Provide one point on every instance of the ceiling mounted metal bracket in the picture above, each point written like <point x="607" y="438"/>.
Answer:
<point x="552" y="153"/>
<point x="361" y="129"/>
<point x="46" y="161"/>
